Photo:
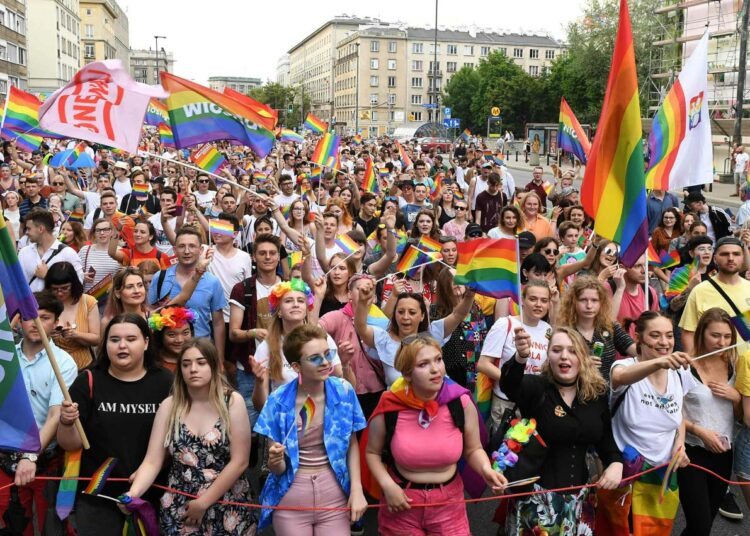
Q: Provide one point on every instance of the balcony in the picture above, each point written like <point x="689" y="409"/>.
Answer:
<point x="432" y="73"/>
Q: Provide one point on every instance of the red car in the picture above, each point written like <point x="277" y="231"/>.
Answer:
<point x="443" y="145"/>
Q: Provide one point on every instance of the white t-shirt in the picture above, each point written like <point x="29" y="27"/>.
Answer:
<point x="495" y="232"/>
<point x="500" y="343"/>
<point x="261" y="356"/>
<point x="93" y="201"/>
<point x="647" y="420"/>
<point x="29" y="259"/>
<point x="162" y="244"/>
<point x="122" y="189"/>
<point x="205" y="200"/>
<point x="285" y="200"/>
<point x="740" y="162"/>
<point x="230" y="271"/>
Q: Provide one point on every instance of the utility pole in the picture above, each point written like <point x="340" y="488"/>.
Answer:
<point x="156" y="55"/>
<point x="356" y="95"/>
<point x="435" y="69"/>
<point x="741" y="73"/>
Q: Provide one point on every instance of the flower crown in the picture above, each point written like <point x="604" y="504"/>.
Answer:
<point x="280" y="289"/>
<point x="170" y="317"/>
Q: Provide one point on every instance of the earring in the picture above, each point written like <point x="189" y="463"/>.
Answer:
<point x="406" y="389"/>
<point x="299" y="378"/>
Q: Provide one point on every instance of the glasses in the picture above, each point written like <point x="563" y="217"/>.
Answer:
<point x="391" y="198"/>
<point x="203" y="182"/>
<point x="610" y="252"/>
<point x="552" y="252"/>
<point x="57" y="183"/>
<point x="704" y="249"/>
<point x="60" y="289"/>
<point x="320" y="359"/>
<point x="460" y="208"/>
<point x="103" y="229"/>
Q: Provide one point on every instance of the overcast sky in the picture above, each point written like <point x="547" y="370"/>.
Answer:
<point x="246" y="38"/>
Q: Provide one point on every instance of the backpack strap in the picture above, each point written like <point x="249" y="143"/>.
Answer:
<point x="724" y="295"/>
<point x="57" y="250"/>
<point x="159" y="283"/>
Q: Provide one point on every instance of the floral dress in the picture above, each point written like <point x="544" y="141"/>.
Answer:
<point x="196" y="463"/>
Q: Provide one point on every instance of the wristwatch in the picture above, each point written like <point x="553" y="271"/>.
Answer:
<point x="29" y="456"/>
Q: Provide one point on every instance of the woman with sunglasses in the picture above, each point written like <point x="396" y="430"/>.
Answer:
<point x="424" y="409"/>
<point x="291" y="304"/>
<point x="410" y="316"/>
<point x="510" y="222"/>
<point x="205" y="193"/>
<point x="446" y="206"/>
<point x="457" y="226"/>
<point x="314" y="454"/>
<point x="587" y="307"/>
<point x="550" y="248"/>
<point x="568" y="400"/>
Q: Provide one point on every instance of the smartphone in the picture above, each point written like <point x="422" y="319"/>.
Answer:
<point x="178" y="210"/>
<point x="725" y="442"/>
<point x="92" y="271"/>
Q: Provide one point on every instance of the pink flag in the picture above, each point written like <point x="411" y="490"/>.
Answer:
<point x="101" y="104"/>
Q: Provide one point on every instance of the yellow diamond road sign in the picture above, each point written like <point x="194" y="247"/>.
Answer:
<point x="495" y="111"/>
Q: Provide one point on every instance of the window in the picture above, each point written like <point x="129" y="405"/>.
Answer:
<point x="434" y="66"/>
<point x="416" y="99"/>
<point x="89" y="30"/>
<point x="21" y="56"/>
<point x="549" y="54"/>
<point x="391" y="81"/>
<point x="416" y="82"/>
<point x="468" y="50"/>
<point x="469" y="65"/>
<point x="416" y="65"/>
<point x="20" y="24"/>
<point x="392" y="46"/>
<point x="374" y="63"/>
<point x="391" y="98"/>
<point x="391" y="65"/>
<point x="88" y="12"/>
<point x="432" y="48"/>
<point x="374" y="115"/>
<point x="503" y="51"/>
<point x="534" y="70"/>
<point x="374" y="46"/>
<point x="374" y="81"/>
<point x="3" y="52"/>
<point x="534" y="53"/>
<point x="518" y="53"/>
<point x="12" y="53"/>
<point x="417" y="48"/>
<point x="417" y="116"/>
<point x="451" y="66"/>
<point x="88" y="50"/>
<point x="484" y="51"/>
<point x="452" y="49"/>
<point x="4" y="87"/>
<point x="2" y="17"/>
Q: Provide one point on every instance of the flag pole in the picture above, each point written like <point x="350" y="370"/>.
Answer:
<point x="339" y="262"/>
<point x="60" y="379"/>
<point x="408" y="269"/>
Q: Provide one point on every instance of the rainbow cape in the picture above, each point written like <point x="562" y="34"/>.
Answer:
<point x="570" y="136"/>
<point x="326" y="151"/>
<point x="316" y="125"/>
<point x="490" y="267"/>
<point x="614" y="185"/>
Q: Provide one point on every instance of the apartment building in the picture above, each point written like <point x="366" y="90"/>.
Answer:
<point x="282" y="71"/>
<point x="145" y="65"/>
<point x="13" y="46"/>
<point x="105" y="31"/>
<point x="237" y="83"/>
<point x="54" y="52"/>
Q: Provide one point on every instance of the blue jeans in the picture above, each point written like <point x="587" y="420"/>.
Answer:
<point x="245" y="385"/>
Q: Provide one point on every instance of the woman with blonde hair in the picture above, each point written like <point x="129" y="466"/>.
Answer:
<point x="531" y="207"/>
<point x="205" y="429"/>
<point x="586" y="306"/>
<point x="568" y="399"/>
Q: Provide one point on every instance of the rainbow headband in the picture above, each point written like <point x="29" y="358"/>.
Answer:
<point x="170" y="317"/>
<point x="280" y="289"/>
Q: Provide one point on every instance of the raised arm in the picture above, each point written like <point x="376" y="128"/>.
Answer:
<point x="366" y="298"/>
<point x="453" y="320"/>
<point x="622" y="375"/>
<point x="380" y="267"/>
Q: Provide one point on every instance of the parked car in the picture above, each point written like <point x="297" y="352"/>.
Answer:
<point x="443" y="145"/>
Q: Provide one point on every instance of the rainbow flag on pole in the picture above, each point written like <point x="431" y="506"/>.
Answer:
<point x="66" y="493"/>
<point x="22" y="115"/>
<point x="220" y="227"/>
<point x="680" y="148"/>
<point x="376" y="317"/>
<point x="327" y="150"/>
<point x="264" y="111"/>
<point x="290" y="135"/>
<point x="315" y="124"/>
<point x="404" y="157"/>
<point x="370" y="182"/>
<point x="18" y="296"/>
<point x="346" y="244"/>
<point x="614" y="185"/>
<point x="490" y="267"/>
<point x="165" y="135"/>
<point x="465" y="135"/>
<point x="208" y="158"/>
<point x="156" y="113"/>
<point x="570" y="136"/>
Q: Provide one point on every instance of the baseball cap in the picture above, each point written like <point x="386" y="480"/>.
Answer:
<point x="122" y="165"/>
<point x="526" y="240"/>
<point x="473" y="230"/>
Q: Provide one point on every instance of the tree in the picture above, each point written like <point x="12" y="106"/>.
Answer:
<point x="459" y="94"/>
<point x="283" y="99"/>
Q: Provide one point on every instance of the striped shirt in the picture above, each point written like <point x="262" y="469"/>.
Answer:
<point x="100" y="260"/>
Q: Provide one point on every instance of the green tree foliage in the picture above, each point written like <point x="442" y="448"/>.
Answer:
<point x="283" y="98"/>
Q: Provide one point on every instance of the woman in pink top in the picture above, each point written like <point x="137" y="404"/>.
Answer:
<point x="535" y="222"/>
<point x="422" y="409"/>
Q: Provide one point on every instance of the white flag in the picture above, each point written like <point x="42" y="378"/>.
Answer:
<point x="681" y="152"/>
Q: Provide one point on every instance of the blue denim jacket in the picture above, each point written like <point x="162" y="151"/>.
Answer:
<point x="343" y="416"/>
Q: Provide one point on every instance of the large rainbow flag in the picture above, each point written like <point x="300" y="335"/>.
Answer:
<point x="327" y="150"/>
<point x="270" y="116"/>
<point x="570" y="136"/>
<point x="490" y="267"/>
<point x="22" y="114"/>
<point x="290" y="135"/>
<point x="315" y="124"/>
<point x="680" y="148"/>
<point x="614" y="185"/>
<point x="208" y="158"/>
<point x="199" y="115"/>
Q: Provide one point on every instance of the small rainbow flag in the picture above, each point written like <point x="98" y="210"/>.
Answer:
<point x="408" y="260"/>
<point x="326" y="151"/>
<point x="570" y="136"/>
<point x="429" y="245"/>
<point x="370" y="182"/>
<point x="306" y="414"/>
<point x="290" y="135"/>
<point x="376" y="317"/>
<point x="66" y="493"/>
<point x="404" y="157"/>
<point x="466" y="135"/>
<point x="316" y="172"/>
<point x="208" y="158"/>
<point x="357" y="140"/>
<point x="77" y="150"/>
<point x="489" y="267"/>
<point x="316" y="125"/>
<point x="140" y="191"/>
<point x="437" y="186"/>
<point x="99" y="478"/>
<point x="259" y="176"/>
<point x="383" y="172"/>
<point x="346" y="243"/>
<point x="100" y="291"/>
<point x="742" y="324"/>
<point x="294" y="258"/>
<point x="547" y="186"/>
<point x="285" y="210"/>
<point x="662" y="260"/>
<point x="15" y="287"/>
<point x="77" y="216"/>
<point x="221" y="227"/>
<point x="680" y="279"/>
<point x="166" y="135"/>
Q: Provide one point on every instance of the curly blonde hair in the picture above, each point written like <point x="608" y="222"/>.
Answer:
<point x="569" y="315"/>
<point x="590" y="384"/>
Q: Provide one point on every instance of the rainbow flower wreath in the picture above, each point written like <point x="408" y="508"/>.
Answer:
<point x="279" y="290"/>
<point x="170" y="317"/>
<point x="518" y="435"/>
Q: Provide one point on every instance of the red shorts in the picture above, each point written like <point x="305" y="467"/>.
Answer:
<point x="443" y="520"/>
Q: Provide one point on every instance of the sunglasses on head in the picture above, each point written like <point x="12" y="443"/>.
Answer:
<point x="319" y="360"/>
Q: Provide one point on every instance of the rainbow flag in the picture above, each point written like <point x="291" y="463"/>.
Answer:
<point x="22" y="116"/>
<point x="221" y="227"/>
<point x="25" y="142"/>
<point x="294" y="258"/>
<point x="357" y="140"/>
<point x="208" y="158"/>
<point x="100" y="291"/>
<point x="140" y="191"/>
<point x="383" y="172"/>
<point x="662" y="260"/>
<point x="18" y="296"/>
<point x="376" y="318"/>
<point x="326" y="151"/>
<point x="490" y="267"/>
<point x="430" y="245"/>
<point x="268" y="114"/>
<point x="156" y="113"/>
<point x="407" y="163"/>
<point x="346" y="244"/>
<point x="74" y="154"/>
<point x="408" y="260"/>
<point x="548" y="187"/>
<point x="370" y="182"/>
<point x="316" y="125"/>
<point x="742" y="324"/>
<point x="306" y="414"/>
<point x="570" y="136"/>
<point x="316" y="172"/>
<point x="198" y="114"/>
<point x="99" y="478"/>
<point x="465" y="135"/>
<point x="483" y="395"/>
<point x="78" y="215"/>
<point x="680" y="148"/>
<point x="166" y="135"/>
<point x="290" y="135"/>
<point x="437" y="186"/>
<point x="614" y="187"/>
<point x="66" y="493"/>
<point x="19" y="430"/>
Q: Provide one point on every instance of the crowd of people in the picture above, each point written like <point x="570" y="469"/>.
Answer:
<point x="219" y="337"/>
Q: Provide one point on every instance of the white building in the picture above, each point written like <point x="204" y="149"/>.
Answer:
<point x="283" y="70"/>
<point x="13" y="51"/>
<point x="54" y="35"/>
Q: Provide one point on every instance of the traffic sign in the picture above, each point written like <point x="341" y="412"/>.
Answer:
<point x="429" y="106"/>
<point x="451" y="123"/>
<point x="495" y="111"/>
<point x="447" y="112"/>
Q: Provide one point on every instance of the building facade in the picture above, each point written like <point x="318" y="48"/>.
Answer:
<point x="54" y="43"/>
<point x="13" y="46"/>
<point x="146" y="64"/>
<point x="237" y="83"/>
<point x="282" y="71"/>
<point x="104" y="31"/>
<point x="399" y="82"/>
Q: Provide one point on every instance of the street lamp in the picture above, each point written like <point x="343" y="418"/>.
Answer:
<point x="156" y="54"/>
<point x="435" y="68"/>
<point x="356" y="96"/>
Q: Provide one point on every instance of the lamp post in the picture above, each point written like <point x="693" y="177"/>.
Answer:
<point x="156" y="54"/>
<point x="356" y="95"/>
<point x="435" y="69"/>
